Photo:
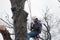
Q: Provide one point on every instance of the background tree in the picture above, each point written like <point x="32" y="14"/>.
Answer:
<point x="49" y="22"/>
<point x="45" y="21"/>
<point x="3" y="29"/>
<point x="5" y="33"/>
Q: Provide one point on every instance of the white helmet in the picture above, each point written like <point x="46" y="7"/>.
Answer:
<point x="34" y="17"/>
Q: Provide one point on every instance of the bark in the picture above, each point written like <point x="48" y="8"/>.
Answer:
<point x="20" y="19"/>
<point x="5" y="33"/>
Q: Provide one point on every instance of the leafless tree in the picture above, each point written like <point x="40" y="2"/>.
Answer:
<point x="5" y="33"/>
<point x="49" y="22"/>
<point x="45" y="20"/>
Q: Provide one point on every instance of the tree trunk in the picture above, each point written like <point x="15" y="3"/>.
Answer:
<point x="5" y="33"/>
<point x="20" y="19"/>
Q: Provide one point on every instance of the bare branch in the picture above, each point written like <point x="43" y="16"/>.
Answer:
<point x="7" y="23"/>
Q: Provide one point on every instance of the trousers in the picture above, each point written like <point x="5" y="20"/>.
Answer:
<point x="31" y="34"/>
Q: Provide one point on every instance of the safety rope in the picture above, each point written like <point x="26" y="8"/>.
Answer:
<point x="29" y="5"/>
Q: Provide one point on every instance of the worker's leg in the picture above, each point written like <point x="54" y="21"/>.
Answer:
<point x="31" y="34"/>
<point x="36" y="37"/>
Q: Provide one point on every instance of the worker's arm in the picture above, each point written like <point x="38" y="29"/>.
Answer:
<point x="31" y="27"/>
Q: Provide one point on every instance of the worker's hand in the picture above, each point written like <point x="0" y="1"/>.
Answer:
<point x="31" y="29"/>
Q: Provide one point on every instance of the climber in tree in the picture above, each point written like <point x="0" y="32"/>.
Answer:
<point x="35" y="28"/>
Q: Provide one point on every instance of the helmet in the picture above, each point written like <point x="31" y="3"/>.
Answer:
<point x="34" y="18"/>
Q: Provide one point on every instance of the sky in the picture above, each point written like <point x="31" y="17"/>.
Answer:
<point x="5" y="9"/>
<point x="38" y="8"/>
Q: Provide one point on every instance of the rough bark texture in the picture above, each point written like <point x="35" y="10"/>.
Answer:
<point x="20" y="19"/>
<point x="5" y="33"/>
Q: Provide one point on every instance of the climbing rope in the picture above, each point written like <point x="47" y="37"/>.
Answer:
<point x="29" y="5"/>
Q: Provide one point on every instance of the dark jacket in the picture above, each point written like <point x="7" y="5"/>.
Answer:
<point x="36" y="26"/>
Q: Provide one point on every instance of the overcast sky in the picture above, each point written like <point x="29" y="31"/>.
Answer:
<point x="37" y="7"/>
